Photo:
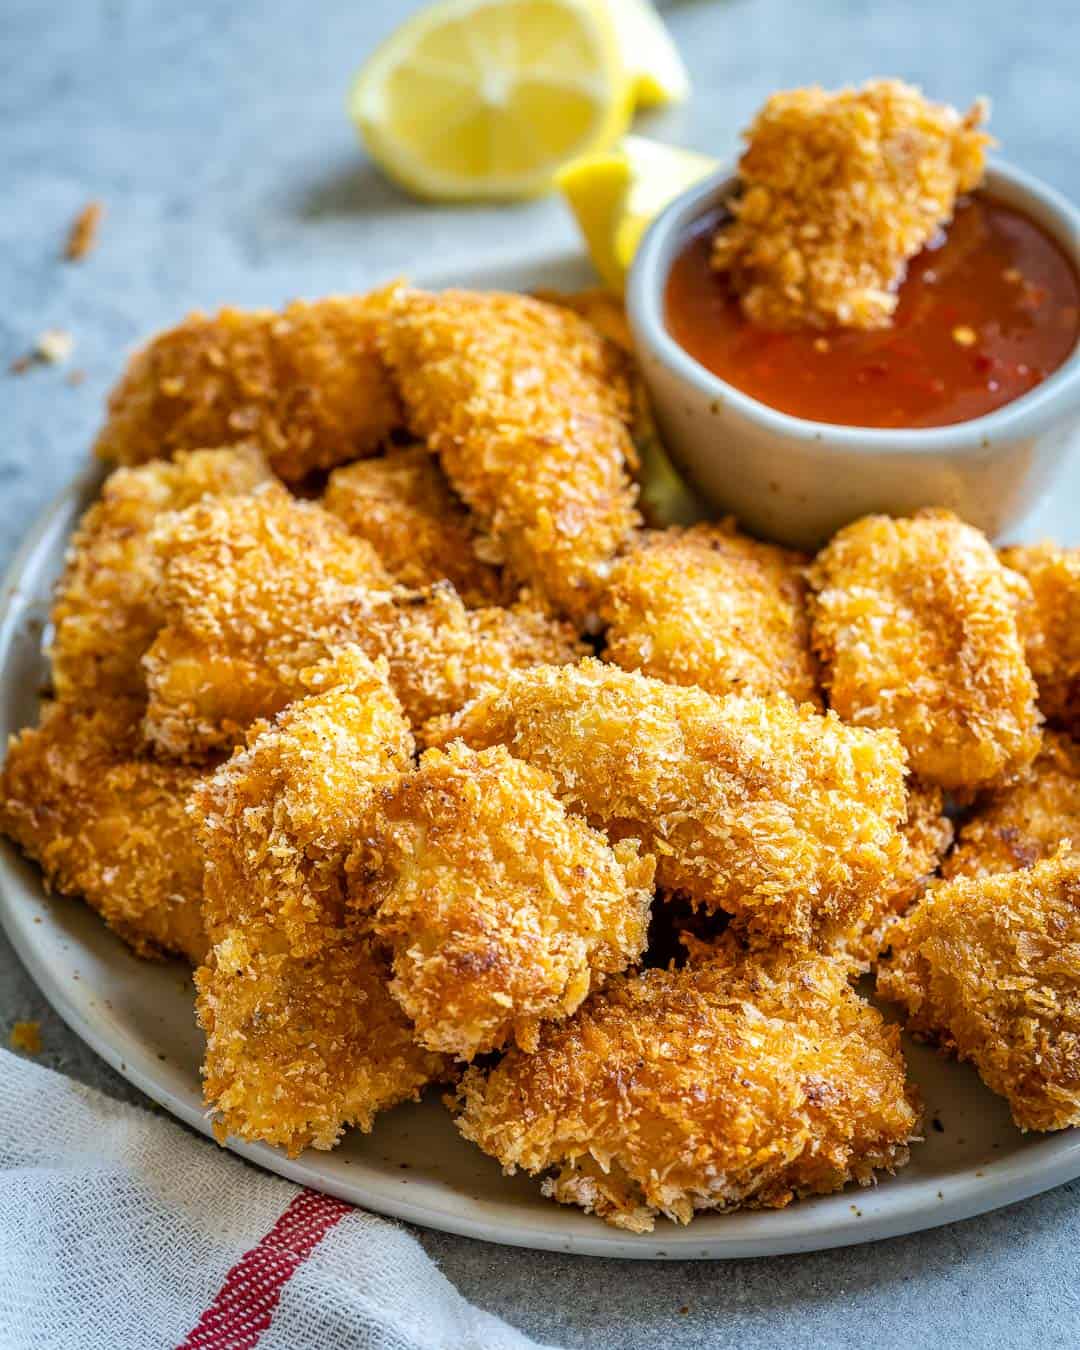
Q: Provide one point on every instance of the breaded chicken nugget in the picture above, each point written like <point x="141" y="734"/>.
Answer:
<point x="927" y="833"/>
<point x="301" y="1047"/>
<point x="107" y="823"/>
<point x="303" y="1037"/>
<point x="663" y="498"/>
<point x="402" y="505"/>
<point x="255" y="589"/>
<point x="915" y="625"/>
<point x="305" y="385"/>
<point x="990" y="968"/>
<point x="277" y="819"/>
<point x="252" y="588"/>
<point x="106" y="611"/>
<point x="527" y="407"/>
<point x="787" y="819"/>
<point x="598" y="307"/>
<point x="741" y="1080"/>
<point x="712" y="607"/>
<point x="839" y="191"/>
<point x="1050" y="626"/>
<point x="441" y="654"/>
<point x="502" y="910"/>
<point x="1021" y="824"/>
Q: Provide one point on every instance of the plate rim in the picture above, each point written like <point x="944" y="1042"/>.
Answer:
<point x="1050" y="1162"/>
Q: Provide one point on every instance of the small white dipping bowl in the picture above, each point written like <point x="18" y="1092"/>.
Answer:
<point x="797" y="481"/>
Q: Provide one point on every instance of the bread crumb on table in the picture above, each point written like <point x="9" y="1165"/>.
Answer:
<point x="82" y="236"/>
<point x="26" y="1038"/>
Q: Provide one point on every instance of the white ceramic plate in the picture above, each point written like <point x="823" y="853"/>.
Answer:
<point x="138" y="1017"/>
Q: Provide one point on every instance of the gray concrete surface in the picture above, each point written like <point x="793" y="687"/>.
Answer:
<point x="215" y="135"/>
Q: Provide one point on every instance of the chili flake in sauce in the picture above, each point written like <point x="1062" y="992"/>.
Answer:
<point x="985" y="314"/>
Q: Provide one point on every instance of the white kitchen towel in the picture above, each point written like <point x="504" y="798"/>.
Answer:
<point x="121" y="1230"/>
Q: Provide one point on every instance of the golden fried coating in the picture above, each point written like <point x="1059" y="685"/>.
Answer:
<point x="441" y="654"/>
<point x="1050" y="626"/>
<point x="740" y="1080"/>
<point x="403" y="506"/>
<point x="527" y="407"/>
<point x="303" y="1037"/>
<point x="990" y="968"/>
<point x="255" y="589"/>
<point x="712" y="607"/>
<point x="663" y="497"/>
<point x="788" y="819"/>
<point x="251" y="590"/>
<point x="502" y="911"/>
<point x="277" y="819"/>
<point x="839" y="190"/>
<point x="300" y="1047"/>
<point x="915" y="626"/>
<point x="1021" y="824"/>
<point x="305" y="385"/>
<point x="598" y="307"/>
<point x="108" y="824"/>
<point x="106" y="611"/>
<point x="927" y="833"/>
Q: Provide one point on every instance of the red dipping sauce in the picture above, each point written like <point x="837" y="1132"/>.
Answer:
<point x="985" y="314"/>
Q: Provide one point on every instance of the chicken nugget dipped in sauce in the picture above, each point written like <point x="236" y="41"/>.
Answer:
<point x="739" y="1080"/>
<point x="839" y="191"/>
<point x="914" y="621"/>
<point x="502" y="909"/>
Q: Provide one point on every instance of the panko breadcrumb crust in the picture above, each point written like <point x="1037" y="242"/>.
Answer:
<point x="927" y="835"/>
<point x="403" y="506"/>
<point x="256" y="589"/>
<point x="738" y="1080"/>
<point x="361" y="920"/>
<point x="989" y="967"/>
<point x="306" y="385"/>
<point x="914" y="621"/>
<point x="839" y="190"/>
<point x="1021" y="824"/>
<point x="80" y="795"/>
<point x="302" y="1036"/>
<point x="788" y="819"/>
<point x="657" y="479"/>
<point x="501" y="909"/>
<point x="106" y="611"/>
<point x="277" y="819"/>
<point x="712" y="607"/>
<point x="248" y="585"/>
<point x="1050" y="626"/>
<point x="527" y="407"/>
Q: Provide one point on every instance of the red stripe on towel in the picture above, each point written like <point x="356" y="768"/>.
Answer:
<point x="245" y="1303"/>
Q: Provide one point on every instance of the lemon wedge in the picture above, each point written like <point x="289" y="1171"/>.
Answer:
<point x="487" y="98"/>
<point x="649" y="54"/>
<point x="615" y="195"/>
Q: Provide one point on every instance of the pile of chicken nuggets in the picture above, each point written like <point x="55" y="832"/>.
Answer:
<point x="375" y="698"/>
